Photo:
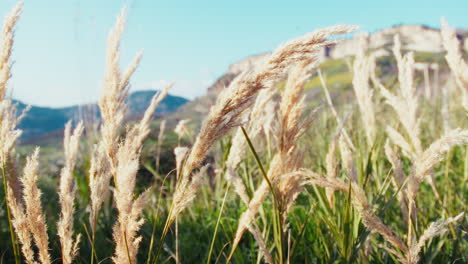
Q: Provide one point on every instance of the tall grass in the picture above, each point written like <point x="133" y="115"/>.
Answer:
<point x="311" y="180"/>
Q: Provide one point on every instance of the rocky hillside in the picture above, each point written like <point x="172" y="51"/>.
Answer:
<point x="425" y="42"/>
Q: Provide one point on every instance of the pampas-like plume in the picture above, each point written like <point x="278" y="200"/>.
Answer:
<point x="399" y="179"/>
<point x="288" y="159"/>
<point x="99" y="177"/>
<point x="187" y="189"/>
<point x="234" y="100"/>
<point x="364" y="93"/>
<point x="112" y="106"/>
<point x="291" y="109"/>
<point x="332" y="171"/>
<point x="431" y="157"/>
<point x="20" y="223"/>
<point x="9" y="121"/>
<point x="405" y="103"/>
<point x="291" y="128"/>
<point x="258" y="117"/>
<point x="129" y="210"/>
<point x="435" y="229"/>
<point x="455" y="59"/>
<point x="32" y="200"/>
<point x="181" y="128"/>
<point x="6" y="43"/>
<point x="67" y="190"/>
<point x="116" y="87"/>
<point x="162" y="127"/>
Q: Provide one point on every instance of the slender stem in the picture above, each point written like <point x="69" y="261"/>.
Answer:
<point x="12" y="233"/>
<point x="217" y="224"/>
<point x="126" y="247"/>
<point x="93" y="238"/>
<point x="270" y="185"/>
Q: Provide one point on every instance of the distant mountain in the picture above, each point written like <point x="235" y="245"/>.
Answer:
<point x="40" y="121"/>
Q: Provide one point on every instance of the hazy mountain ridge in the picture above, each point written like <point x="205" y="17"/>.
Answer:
<point x="40" y="121"/>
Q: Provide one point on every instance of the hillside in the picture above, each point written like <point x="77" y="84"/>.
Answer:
<point x="42" y="122"/>
<point x="336" y="61"/>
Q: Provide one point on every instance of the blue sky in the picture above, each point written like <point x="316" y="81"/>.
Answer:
<point x="60" y="45"/>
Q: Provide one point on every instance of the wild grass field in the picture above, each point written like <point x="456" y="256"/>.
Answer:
<point x="370" y="168"/>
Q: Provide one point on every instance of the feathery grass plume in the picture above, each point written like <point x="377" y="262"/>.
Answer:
<point x="405" y="103"/>
<point x="347" y="159"/>
<point x="261" y="243"/>
<point x="291" y="128"/>
<point x="236" y="152"/>
<point x="181" y="128"/>
<point x="20" y="223"/>
<point x="9" y="121"/>
<point x="435" y="229"/>
<point x="306" y="48"/>
<point x="9" y="134"/>
<point x="399" y="178"/>
<point x="234" y="100"/>
<point x="34" y="213"/>
<point x="6" y="43"/>
<point x="67" y="190"/>
<point x="162" y="128"/>
<point x="364" y="93"/>
<point x="331" y="165"/>
<point x="455" y="59"/>
<point x="258" y="117"/>
<point x="129" y="209"/>
<point x="99" y="177"/>
<point x="115" y="91"/>
<point x="289" y="158"/>
<point x="112" y="106"/>
<point x="186" y="190"/>
<point x="431" y="157"/>
<point x="401" y="142"/>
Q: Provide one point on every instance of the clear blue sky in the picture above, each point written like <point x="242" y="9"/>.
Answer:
<point x="60" y="45"/>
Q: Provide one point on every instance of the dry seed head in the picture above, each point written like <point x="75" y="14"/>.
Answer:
<point x="399" y="178"/>
<point x="435" y="229"/>
<point x="364" y="93"/>
<point x="20" y="223"/>
<point x="32" y="200"/>
<point x="332" y="170"/>
<point x="432" y="156"/>
<point x="455" y="59"/>
<point x="99" y="180"/>
<point x="129" y="210"/>
<point x="233" y="101"/>
<point x="299" y="52"/>
<point x="181" y="128"/>
<point x="6" y="46"/>
<point x="67" y="190"/>
<point x="186" y="191"/>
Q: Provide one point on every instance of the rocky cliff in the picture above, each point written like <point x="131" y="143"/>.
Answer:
<point x="417" y="38"/>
